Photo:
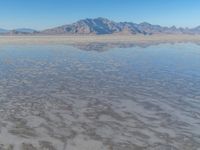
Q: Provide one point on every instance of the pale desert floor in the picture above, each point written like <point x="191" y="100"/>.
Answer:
<point x="139" y="39"/>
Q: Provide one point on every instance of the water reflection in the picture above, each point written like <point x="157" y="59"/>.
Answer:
<point x="62" y="98"/>
<point x="101" y="47"/>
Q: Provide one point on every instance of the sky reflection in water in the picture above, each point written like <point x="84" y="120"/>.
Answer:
<point x="61" y="97"/>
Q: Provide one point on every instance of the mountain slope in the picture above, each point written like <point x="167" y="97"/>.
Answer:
<point x="86" y="26"/>
<point x="100" y="26"/>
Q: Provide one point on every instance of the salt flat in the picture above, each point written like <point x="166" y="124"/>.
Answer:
<point x="77" y="39"/>
<point x="57" y="97"/>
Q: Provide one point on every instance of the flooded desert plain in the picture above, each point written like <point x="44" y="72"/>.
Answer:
<point x="60" y="97"/>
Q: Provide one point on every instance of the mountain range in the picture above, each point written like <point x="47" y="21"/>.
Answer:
<point x="21" y="31"/>
<point x="101" y="26"/>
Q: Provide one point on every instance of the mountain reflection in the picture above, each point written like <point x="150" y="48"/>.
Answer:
<point x="101" y="47"/>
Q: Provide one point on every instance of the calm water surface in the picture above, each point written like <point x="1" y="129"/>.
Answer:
<point x="57" y="97"/>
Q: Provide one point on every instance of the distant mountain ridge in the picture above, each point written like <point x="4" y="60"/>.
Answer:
<point x="100" y="26"/>
<point x="3" y="31"/>
<point x="18" y="31"/>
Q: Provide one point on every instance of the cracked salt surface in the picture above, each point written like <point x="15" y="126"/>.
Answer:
<point x="56" y="97"/>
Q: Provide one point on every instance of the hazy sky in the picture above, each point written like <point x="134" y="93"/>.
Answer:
<point x="40" y="14"/>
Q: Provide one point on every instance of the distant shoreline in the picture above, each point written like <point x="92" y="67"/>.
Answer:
<point x="86" y="39"/>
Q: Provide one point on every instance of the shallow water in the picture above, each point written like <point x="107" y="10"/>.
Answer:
<point x="58" y="97"/>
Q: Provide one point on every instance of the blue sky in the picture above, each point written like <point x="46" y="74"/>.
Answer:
<point x="40" y="14"/>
